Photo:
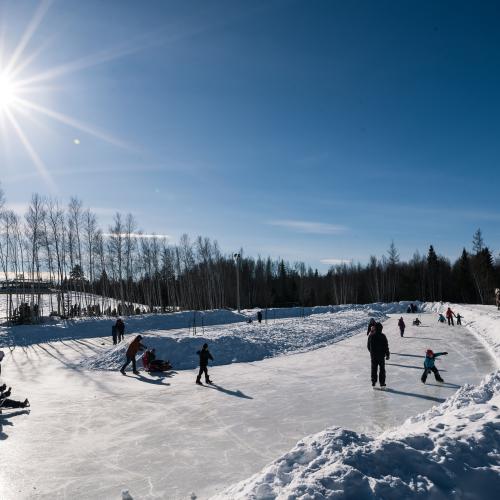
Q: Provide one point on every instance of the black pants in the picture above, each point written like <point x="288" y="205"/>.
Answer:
<point x="114" y="339"/>
<point x="450" y="321"/>
<point x="134" y="366"/>
<point x="435" y="371"/>
<point x="459" y="321"/>
<point x="402" y="330"/>
<point x="376" y="363"/>
<point x="203" y="369"/>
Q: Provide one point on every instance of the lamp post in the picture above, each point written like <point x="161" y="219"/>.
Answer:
<point x="237" y="258"/>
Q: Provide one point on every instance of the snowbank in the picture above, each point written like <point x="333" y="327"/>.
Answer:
<point x="245" y="342"/>
<point x="452" y="450"/>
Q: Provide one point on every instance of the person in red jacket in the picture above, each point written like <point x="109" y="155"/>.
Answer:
<point x="134" y="347"/>
<point x="449" y="316"/>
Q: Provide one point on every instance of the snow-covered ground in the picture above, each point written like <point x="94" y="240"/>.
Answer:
<point x="92" y="433"/>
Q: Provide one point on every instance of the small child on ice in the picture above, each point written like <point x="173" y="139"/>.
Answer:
<point x="429" y="366"/>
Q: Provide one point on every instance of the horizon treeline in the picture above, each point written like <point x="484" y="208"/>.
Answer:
<point x="66" y="246"/>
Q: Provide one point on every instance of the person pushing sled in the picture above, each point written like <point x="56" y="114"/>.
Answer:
<point x="429" y="366"/>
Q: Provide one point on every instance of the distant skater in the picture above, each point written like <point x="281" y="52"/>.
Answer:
<point x="379" y="351"/>
<point x="120" y="329"/>
<point x="459" y="319"/>
<point x="449" y="317"/>
<point x="402" y="326"/>
<point x="134" y="347"/>
<point x="113" y="334"/>
<point x="259" y="316"/>
<point x="204" y="357"/>
<point x="2" y="354"/>
<point x="429" y="366"/>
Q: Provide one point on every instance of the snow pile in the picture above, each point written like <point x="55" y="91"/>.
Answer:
<point x="452" y="450"/>
<point x="245" y="342"/>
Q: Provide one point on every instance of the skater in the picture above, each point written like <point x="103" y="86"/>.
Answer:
<point x="441" y="318"/>
<point x="430" y="357"/>
<point x="370" y="325"/>
<point x="459" y="319"/>
<point x="120" y="329"/>
<point x="416" y="322"/>
<point x="379" y="351"/>
<point x="134" y="347"/>
<point x="204" y="357"/>
<point x="402" y="326"/>
<point x="449" y="316"/>
<point x="113" y="334"/>
<point x="5" y="402"/>
<point x="259" y="316"/>
<point x="2" y="354"/>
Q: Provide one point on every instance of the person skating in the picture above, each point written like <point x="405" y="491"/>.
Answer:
<point x="134" y="347"/>
<point x="402" y="326"/>
<point x="459" y="319"/>
<point x="371" y="324"/>
<point x="259" y="316"/>
<point x="120" y="329"/>
<point x="449" y="317"/>
<point x="5" y="402"/>
<point x="429" y="366"/>
<point x="113" y="334"/>
<point x="204" y="357"/>
<point x="379" y="351"/>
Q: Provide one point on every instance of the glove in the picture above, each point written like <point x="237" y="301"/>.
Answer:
<point x="445" y="353"/>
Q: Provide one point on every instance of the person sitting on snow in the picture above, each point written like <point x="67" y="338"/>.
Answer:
<point x="441" y="318"/>
<point x="429" y="366"/>
<point x="5" y="402"/>
<point x="151" y="364"/>
<point x="416" y="322"/>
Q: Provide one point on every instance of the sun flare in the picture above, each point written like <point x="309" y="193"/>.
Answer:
<point x="7" y="92"/>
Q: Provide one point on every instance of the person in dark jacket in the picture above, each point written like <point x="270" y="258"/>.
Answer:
<point x="134" y="347"/>
<point x="370" y="325"/>
<point x="113" y="334"/>
<point x="402" y="326"/>
<point x="379" y="351"/>
<point x="259" y="316"/>
<point x="204" y="357"/>
<point x="449" y="316"/>
<point x="459" y="319"/>
<point x="120" y="329"/>
<point x="429" y="366"/>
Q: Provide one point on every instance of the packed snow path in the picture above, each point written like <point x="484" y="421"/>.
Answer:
<point x="92" y="434"/>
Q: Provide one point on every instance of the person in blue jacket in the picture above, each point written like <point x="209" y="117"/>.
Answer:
<point x="429" y="366"/>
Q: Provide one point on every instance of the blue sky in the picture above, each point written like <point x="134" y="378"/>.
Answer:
<point x="305" y="130"/>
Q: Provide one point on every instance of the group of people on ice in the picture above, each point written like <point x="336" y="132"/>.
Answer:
<point x="152" y="363"/>
<point x="5" y="401"/>
<point x="449" y="316"/>
<point x="378" y="346"/>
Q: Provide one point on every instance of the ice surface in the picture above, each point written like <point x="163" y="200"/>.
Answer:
<point x="94" y="433"/>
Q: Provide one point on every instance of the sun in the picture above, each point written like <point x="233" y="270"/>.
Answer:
<point x="7" y="92"/>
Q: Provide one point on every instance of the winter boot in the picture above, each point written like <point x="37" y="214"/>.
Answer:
<point x="198" y="381"/>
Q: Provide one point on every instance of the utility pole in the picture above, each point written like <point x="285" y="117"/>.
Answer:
<point x="237" y="258"/>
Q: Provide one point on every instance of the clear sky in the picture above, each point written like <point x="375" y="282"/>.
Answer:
<point x="297" y="129"/>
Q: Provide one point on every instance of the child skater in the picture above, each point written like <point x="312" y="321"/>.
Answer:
<point x="429" y="366"/>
